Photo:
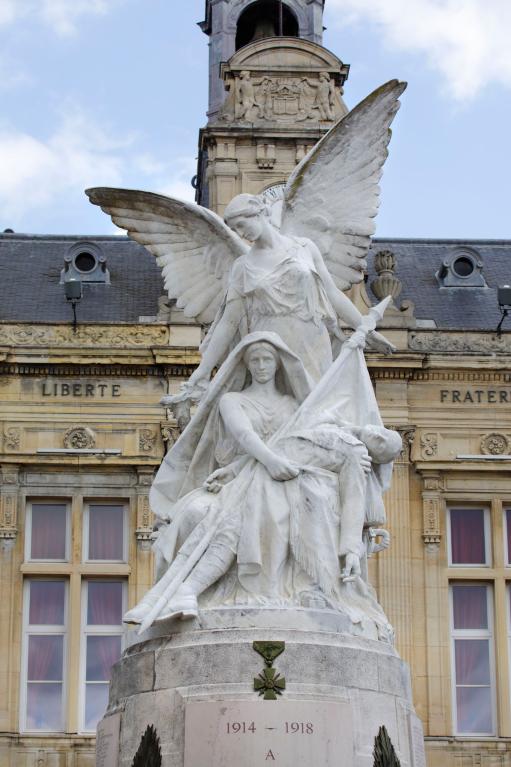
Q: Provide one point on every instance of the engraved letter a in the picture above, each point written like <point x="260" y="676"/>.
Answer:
<point x="270" y="756"/>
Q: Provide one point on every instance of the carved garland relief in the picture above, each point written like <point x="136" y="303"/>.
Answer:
<point x="459" y="342"/>
<point x="13" y="335"/>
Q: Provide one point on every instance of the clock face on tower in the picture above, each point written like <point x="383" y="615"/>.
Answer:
<point x="274" y="193"/>
<point x="274" y="197"/>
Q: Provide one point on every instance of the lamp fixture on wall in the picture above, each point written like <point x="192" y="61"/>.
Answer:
<point x="504" y="299"/>
<point x="73" y="292"/>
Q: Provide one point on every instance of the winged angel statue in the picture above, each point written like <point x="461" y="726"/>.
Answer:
<point x="291" y="279"/>
<point x="287" y="517"/>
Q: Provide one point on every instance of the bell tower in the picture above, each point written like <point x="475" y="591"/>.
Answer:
<point x="274" y="90"/>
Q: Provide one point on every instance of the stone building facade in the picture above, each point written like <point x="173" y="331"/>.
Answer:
<point x="82" y="431"/>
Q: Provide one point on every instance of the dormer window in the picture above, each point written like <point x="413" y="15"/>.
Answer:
<point x="463" y="268"/>
<point x="85" y="261"/>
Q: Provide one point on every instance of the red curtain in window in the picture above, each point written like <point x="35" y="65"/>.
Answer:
<point x="106" y="532"/>
<point x="467" y="537"/>
<point x="45" y="656"/>
<point x="46" y="603"/>
<point x="102" y="653"/>
<point x="48" y="535"/>
<point x="104" y="603"/>
<point x="470" y="608"/>
<point x="472" y="661"/>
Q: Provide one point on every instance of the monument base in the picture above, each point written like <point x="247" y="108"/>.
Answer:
<point x="195" y="683"/>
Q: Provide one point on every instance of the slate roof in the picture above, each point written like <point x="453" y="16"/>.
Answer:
<point x="450" y="308"/>
<point x="30" y="268"/>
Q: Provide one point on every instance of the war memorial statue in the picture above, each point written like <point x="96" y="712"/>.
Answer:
<point x="270" y="501"/>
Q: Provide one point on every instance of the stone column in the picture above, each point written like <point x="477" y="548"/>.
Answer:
<point x="436" y="606"/>
<point x="9" y="505"/>
<point x="144" y="579"/>
<point x="10" y="585"/>
<point x="395" y="580"/>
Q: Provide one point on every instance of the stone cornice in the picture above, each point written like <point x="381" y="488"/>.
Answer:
<point x="100" y="335"/>
<point x="460" y="342"/>
<point x="77" y="369"/>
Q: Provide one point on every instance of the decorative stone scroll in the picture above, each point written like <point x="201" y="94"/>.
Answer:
<point x="170" y="434"/>
<point x="407" y="434"/>
<point x="146" y="440"/>
<point x="12" y="438"/>
<point x="429" y="445"/>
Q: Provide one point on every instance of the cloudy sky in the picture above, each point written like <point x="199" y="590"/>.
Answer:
<point x="113" y="92"/>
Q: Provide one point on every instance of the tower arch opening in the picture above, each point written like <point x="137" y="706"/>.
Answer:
<point x="265" y="18"/>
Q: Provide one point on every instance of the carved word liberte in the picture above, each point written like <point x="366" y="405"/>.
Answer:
<point x="99" y="390"/>
<point x="475" y="396"/>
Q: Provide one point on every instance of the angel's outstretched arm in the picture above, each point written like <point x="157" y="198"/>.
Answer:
<point x="219" y="343"/>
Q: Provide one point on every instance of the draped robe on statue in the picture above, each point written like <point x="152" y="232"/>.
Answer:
<point x="286" y="537"/>
<point x="290" y="300"/>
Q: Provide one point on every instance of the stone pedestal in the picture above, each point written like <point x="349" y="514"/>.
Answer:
<point x="339" y="690"/>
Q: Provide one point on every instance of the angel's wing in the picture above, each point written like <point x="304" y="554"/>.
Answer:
<point x="193" y="245"/>
<point x="333" y="195"/>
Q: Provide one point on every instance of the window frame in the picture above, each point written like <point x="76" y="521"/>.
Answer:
<point x="43" y="630"/>
<point x="487" y="535"/>
<point x="507" y="549"/>
<point x="86" y="525"/>
<point x="28" y="528"/>
<point x="487" y="634"/>
<point x="102" y="630"/>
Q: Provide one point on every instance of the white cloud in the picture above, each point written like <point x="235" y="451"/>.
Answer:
<point x="176" y="182"/>
<point x="37" y="173"/>
<point x="467" y="41"/>
<point x="63" y="16"/>
<point x="51" y="173"/>
<point x="10" y="10"/>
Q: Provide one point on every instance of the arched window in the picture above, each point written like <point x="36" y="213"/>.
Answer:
<point x="265" y="18"/>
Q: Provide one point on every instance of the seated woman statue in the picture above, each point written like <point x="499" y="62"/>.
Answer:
<point x="259" y="507"/>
